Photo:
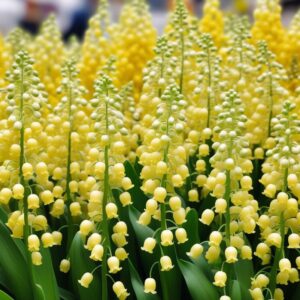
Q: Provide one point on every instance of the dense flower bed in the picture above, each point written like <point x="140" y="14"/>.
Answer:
<point x="144" y="167"/>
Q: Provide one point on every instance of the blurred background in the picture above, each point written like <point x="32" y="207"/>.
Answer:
<point x="72" y="15"/>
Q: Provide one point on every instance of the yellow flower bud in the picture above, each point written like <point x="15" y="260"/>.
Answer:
<point x="160" y="194"/>
<point x="207" y="216"/>
<point x="215" y="238"/>
<point x="126" y="183"/>
<point x="181" y="235"/>
<point x="18" y="191"/>
<point x="270" y="190"/>
<point x="166" y="237"/>
<point x="86" y="279"/>
<point x="47" y="240"/>
<point x="175" y="203"/>
<point x="220" y="206"/>
<point x="33" y="243"/>
<point x="119" y="239"/>
<point x="94" y="239"/>
<point x="97" y="252"/>
<point x="161" y="168"/>
<point x="125" y="199"/>
<point x="120" y="227"/>
<point x="257" y="294"/>
<point x="47" y="197"/>
<point x="246" y="252"/>
<point x="231" y="254"/>
<point x="64" y="266"/>
<point x="145" y="218"/>
<point x="261" y="281"/>
<point x="33" y="201"/>
<point x="111" y="210"/>
<point x="27" y="170"/>
<point x="212" y="254"/>
<point x="166" y="263"/>
<point x="284" y="265"/>
<point x="40" y="223"/>
<point x="274" y="239"/>
<point x="282" y="277"/>
<point x="203" y="150"/>
<point x="57" y="237"/>
<point x="150" y="286"/>
<point x="114" y="264"/>
<point x="177" y="180"/>
<point x="36" y="258"/>
<point x="193" y="195"/>
<point x="120" y="291"/>
<point x="86" y="227"/>
<point x="149" y="245"/>
<point x="121" y="253"/>
<point x="73" y="185"/>
<point x="195" y="251"/>
<point x="5" y="196"/>
<point x="246" y="183"/>
<point x="278" y="294"/>
<point x="179" y="216"/>
<point x="75" y="209"/>
<point x="151" y="206"/>
<point x="220" y="279"/>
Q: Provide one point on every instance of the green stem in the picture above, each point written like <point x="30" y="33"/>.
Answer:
<point x="69" y="160"/>
<point x="24" y="184"/>
<point x="106" y="242"/>
<point x="227" y="215"/>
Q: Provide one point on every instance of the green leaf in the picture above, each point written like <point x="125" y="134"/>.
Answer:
<point x="138" y="197"/>
<point x="81" y="263"/>
<point x="236" y="292"/>
<point x="138" y="285"/>
<point x="3" y="215"/>
<point x="65" y="294"/>
<point x="4" y="296"/>
<point x="44" y="276"/>
<point x="14" y="266"/>
<point x="40" y="295"/>
<point x="244" y="272"/>
<point x="199" y="286"/>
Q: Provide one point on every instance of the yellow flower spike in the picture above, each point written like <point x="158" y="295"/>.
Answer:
<point x="64" y="266"/>
<point x="86" y="279"/>
<point x="33" y="243"/>
<point x="231" y="254"/>
<point x="150" y="286"/>
<point x="120" y="290"/>
<point x="36" y="258"/>
<point x="114" y="264"/>
<point x="220" y="279"/>
<point x="149" y="245"/>
<point x="97" y="252"/>
<point x="166" y="263"/>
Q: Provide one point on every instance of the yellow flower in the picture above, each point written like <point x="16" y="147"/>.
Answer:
<point x="166" y="237"/>
<point x="149" y="245"/>
<point x="195" y="251"/>
<point x="120" y="291"/>
<point x="33" y="243"/>
<point x="150" y="286"/>
<point x="166" y="263"/>
<point x="64" y="266"/>
<point x="114" y="264"/>
<point x="86" y="279"/>
<point x="231" y="254"/>
<point x="97" y="252"/>
<point x="220" y="279"/>
<point x="36" y="258"/>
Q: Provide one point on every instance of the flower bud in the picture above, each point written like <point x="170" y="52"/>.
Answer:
<point x="166" y="263"/>
<point x="149" y="245"/>
<point x="64" y="266"/>
<point x="150" y="286"/>
<point x="220" y="279"/>
<point x="113" y="264"/>
<point x="86" y="279"/>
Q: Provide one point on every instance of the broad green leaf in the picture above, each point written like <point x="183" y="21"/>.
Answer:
<point x="236" y="292"/>
<point x="44" y="276"/>
<point x="138" y="197"/>
<point x="3" y="215"/>
<point x="138" y="285"/>
<point x="14" y="266"/>
<point x="199" y="286"/>
<point x="40" y="295"/>
<point x="244" y="272"/>
<point x="4" y="296"/>
<point x="81" y="263"/>
<point x="65" y="295"/>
